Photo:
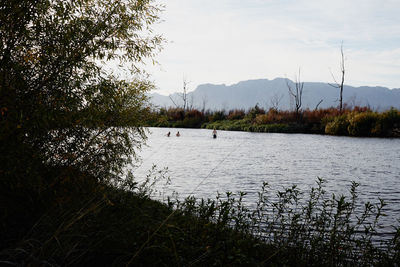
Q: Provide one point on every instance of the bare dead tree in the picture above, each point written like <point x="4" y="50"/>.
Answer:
<point x="341" y="84"/>
<point x="190" y="102"/>
<point x="173" y="101"/>
<point x="319" y="103"/>
<point x="296" y="93"/>
<point x="204" y="103"/>
<point x="183" y="96"/>
<point x="275" y="100"/>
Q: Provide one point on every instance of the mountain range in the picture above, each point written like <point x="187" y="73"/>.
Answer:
<point x="274" y="93"/>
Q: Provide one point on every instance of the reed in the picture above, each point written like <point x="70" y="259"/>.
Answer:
<point x="79" y="220"/>
<point x="306" y="229"/>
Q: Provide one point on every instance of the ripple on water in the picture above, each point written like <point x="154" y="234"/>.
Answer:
<point x="243" y="161"/>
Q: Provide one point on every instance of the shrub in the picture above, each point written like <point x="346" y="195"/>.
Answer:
<point x="236" y="114"/>
<point x="162" y="121"/>
<point x="361" y="109"/>
<point x="176" y="114"/>
<point x="262" y="119"/>
<point x="253" y="112"/>
<point x="193" y="119"/>
<point x="362" y="124"/>
<point x="316" y="116"/>
<point x="217" y="116"/>
<point x="338" y="126"/>
<point x="387" y="124"/>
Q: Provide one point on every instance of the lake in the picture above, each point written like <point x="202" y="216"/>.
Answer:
<point x="242" y="161"/>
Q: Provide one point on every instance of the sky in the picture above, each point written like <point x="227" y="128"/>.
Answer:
<point x="227" y="41"/>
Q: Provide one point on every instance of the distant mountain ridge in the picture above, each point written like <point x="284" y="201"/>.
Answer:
<point x="265" y="93"/>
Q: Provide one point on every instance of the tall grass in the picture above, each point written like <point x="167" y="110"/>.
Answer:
<point x="313" y="229"/>
<point x="78" y="220"/>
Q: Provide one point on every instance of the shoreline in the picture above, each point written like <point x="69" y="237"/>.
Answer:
<point x="359" y="122"/>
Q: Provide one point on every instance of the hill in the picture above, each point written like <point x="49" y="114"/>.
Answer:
<point x="264" y="92"/>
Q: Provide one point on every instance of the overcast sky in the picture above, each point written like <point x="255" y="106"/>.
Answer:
<point x="227" y="41"/>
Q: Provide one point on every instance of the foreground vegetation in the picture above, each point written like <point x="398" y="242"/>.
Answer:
<point x="357" y="121"/>
<point x="76" y="220"/>
<point x="79" y="221"/>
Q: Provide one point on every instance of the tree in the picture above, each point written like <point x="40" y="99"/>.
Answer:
<point x="319" y="103"/>
<point x="204" y="100"/>
<point x="296" y="93"/>
<point x="275" y="100"/>
<point x="186" y="104"/>
<point x="341" y="84"/>
<point x="59" y="104"/>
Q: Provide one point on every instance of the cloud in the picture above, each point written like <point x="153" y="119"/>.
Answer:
<point x="227" y="41"/>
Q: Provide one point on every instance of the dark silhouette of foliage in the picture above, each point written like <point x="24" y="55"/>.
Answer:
<point x="217" y="116"/>
<point x="193" y="118"/>
<point x="58" y="103"/>
<point x="236" y="114"/>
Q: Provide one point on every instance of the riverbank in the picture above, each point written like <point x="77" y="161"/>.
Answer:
<point x="72" y="219"/>
<point x="359" y="121"/>
<point x="78" y="221"/>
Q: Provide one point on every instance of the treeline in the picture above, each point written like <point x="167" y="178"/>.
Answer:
<point x="356" y="121"/>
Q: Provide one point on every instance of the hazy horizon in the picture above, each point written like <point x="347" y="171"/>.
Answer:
<point x="179" y="90"/>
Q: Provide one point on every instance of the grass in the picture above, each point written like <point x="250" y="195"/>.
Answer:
<point x="77" y="220"/>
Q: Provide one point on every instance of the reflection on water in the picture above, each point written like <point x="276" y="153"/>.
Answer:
<point x="243" y="161"/>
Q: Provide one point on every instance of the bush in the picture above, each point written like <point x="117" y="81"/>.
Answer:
<point x="176" y="114"/>
<point x="162" y="121"/>
<point x="193" y="119"/>
<point x="236" y="114"/>
<point x="362" y="124"/>
<point x="388" y="123"/>
<point x="316" y="116"/>
<point x="338" y="126"/>
<point x="217" y="116"/>
<point x="262" y="119"/>
<point x="253" y="112"/>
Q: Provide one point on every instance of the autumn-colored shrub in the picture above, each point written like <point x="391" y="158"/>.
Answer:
<point x="275" y="116"/>
<point x="387" y="124"/>
<point x="361" y="124"/>
<point x="175" y="114"/>
<point x="253" y="112"/>
<point x="283" y="116"/>
<point x="338" y="126"/>
<point x="236" y="114"/>
<point x="316" y="116"/>
<point x="262" y="119"/>
<point x="218" y="116"/>
<point x="193" y="118"/>
<point x="360" y="109"/>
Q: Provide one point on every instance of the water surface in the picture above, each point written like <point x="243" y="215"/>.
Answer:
<point x="242" y="161"/>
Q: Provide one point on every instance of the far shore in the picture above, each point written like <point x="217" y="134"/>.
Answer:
<point x="359" y="121"/>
